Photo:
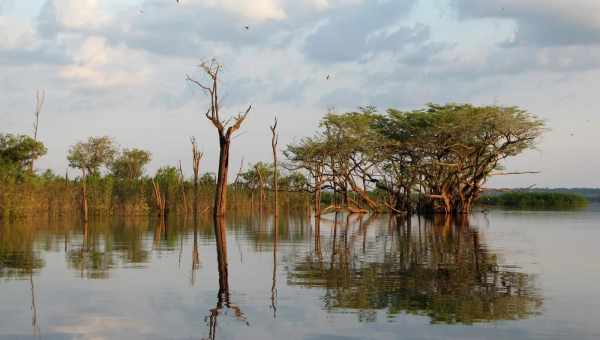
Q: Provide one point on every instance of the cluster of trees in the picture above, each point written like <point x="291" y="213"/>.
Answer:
<point x="433" y="159"/>
<point x="115" y="181"/>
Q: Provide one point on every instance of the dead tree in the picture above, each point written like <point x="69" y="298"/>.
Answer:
<point x="225" y="128"/>
<point x="274" y="141"/>
<point x="40" y="97"/>
<point x="84" y="198"/>
<point x="196" y="158"/>
<point x="160" y="200"/>
<point x="181" y="180"/>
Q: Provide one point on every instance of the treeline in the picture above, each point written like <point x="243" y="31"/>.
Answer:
<point x="114" y="182"/>
<point x="536" y="200"/>
<point x="435" y="159"/>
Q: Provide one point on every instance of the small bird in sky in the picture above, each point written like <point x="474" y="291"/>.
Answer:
<point x="247" y="28"/>
<point x="141" y="11"/>
<point x="328" y="76"/>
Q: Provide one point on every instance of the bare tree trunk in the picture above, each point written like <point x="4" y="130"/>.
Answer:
<point x="40" y="97"/>
<point x="318" y="201"/>
<point x="196" y="157"/>
<point x="182" y="188"/>
<point x="274" y="141"/>
<point x="221" y="194"/>
<point x="160" y="200"/>
<point x="84" y="198"/>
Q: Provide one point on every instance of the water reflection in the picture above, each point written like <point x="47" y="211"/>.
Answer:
<point x="371" y="266"/>
<point x="224" y="306"/>
<point x="439" y="268"/>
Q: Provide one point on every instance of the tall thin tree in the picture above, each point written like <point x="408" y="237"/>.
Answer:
<point x="274" y="141"/>
<point x="40" y="97"/>
<point x="196" y="158"/>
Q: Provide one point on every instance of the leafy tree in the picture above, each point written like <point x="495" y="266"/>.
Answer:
<point x="445" y="153"/>
<point x="130" y="164"/>
<point x="91" y="155"/>
<point x="17" y="152"/>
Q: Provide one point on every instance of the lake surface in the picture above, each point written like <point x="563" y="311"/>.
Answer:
<point x="500" y="275"/>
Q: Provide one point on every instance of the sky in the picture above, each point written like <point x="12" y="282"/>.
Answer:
<point x="118" y="68"/>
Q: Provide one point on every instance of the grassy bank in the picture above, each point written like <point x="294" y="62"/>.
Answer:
<point x="536" y="200"/>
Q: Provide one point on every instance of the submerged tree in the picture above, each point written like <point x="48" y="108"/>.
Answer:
<point x="443" y="154"/>
<point x="226" y="127"/>
<point x="456" y="148"/>
<point x="196" y="158"/>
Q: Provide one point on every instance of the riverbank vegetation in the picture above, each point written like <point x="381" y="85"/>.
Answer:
<point x="536" y="200"/>
<point x="435" y="159"/>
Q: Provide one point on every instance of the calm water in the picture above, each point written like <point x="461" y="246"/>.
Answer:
<point x="504" y="275"/>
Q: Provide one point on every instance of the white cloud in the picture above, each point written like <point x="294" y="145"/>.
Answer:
<point x="15" y="33"/>
<point x="98" y="64"/>
<point x="79" y="13"/>
<point x="255" y="9"/>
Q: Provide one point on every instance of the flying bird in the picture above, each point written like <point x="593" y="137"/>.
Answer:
<point x="328" y="76"/>
<point x="247" y="27"/>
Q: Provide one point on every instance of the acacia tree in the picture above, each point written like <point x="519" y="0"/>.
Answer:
<point x="226" y="127"/>
<point x="89" y="157"/>
<point x="353" y="149"/>
<point x="444" y="153"/>
<point x="310" y="155"/>
<point x="456" y="148"/>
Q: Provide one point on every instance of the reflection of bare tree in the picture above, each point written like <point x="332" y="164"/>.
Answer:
<point x="224" y="305"/>
<point x="34" y="316"/>
<point x="195" y="253"/>
<point x="318" y="235"/>
<point x="161" y="228"/>
<point x="274" y="285"/>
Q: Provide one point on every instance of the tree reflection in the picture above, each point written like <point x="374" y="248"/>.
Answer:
<point x="274" y="279"/>
<point x="441" y="270"/>
<point x="224" y="305"/>
<point x="18" y="257"/>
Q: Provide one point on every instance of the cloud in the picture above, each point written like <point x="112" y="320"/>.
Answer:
<point x="20" y="44"/>
<point x="256" y="9"/>
<point x="350" y="33"/>
<point x="541" y="22"/>
<point x="71" y="16"/>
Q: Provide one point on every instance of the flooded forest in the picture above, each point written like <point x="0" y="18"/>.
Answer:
<point x="379" y="222"/>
